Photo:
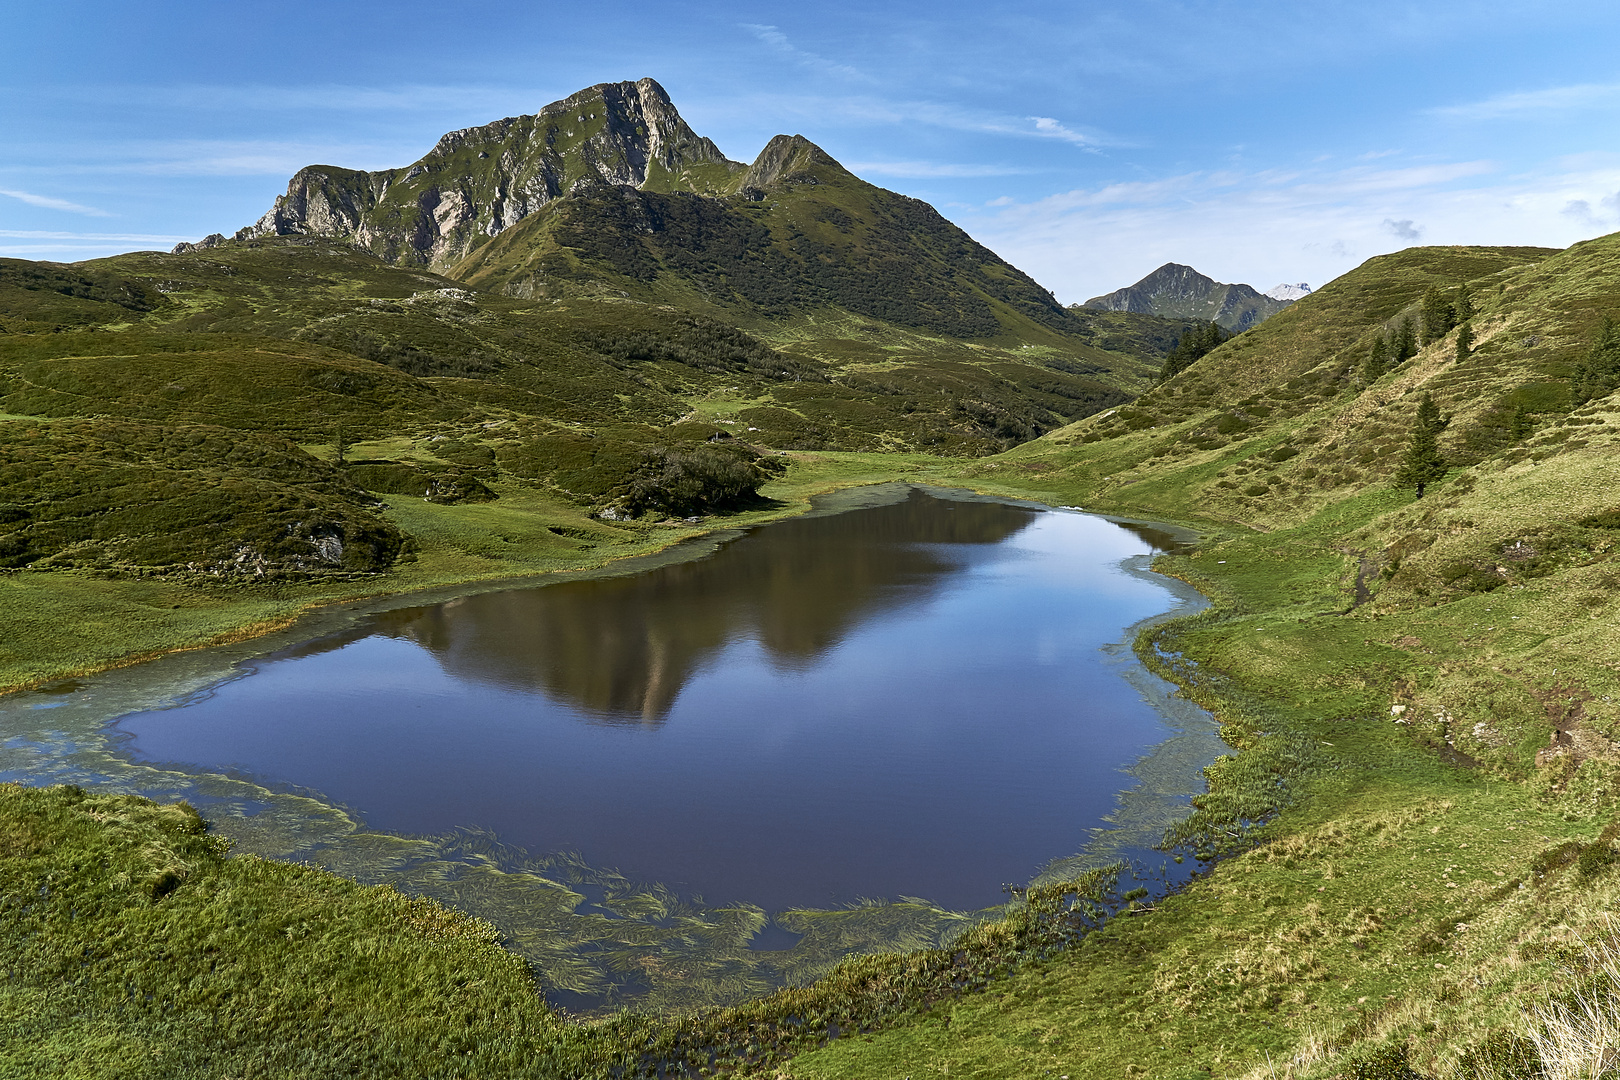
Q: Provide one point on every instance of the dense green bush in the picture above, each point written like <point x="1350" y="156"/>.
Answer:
<point x="700" y="480"/>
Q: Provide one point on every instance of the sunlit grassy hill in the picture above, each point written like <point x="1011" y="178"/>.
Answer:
<point x="1420" y="825"/>
<point x="428" y="388"/>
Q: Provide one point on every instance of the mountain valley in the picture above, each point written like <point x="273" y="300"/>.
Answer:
<point x="560" y="340"/>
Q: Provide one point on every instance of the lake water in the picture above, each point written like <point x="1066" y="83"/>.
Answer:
<point x="903" y="700"/>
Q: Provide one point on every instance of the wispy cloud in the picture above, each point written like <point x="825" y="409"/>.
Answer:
<point x="132" y="238"/>
<point x="863" y="110"/>
<point x="925" y="170"/>
<point x="212" y="158"/>
<point x="1556" y="99"/>
<point x="480" y="100"/>
<point x="1053" y="129"/>
<point x="778" y="43"/>
<point x="48" y="203"/>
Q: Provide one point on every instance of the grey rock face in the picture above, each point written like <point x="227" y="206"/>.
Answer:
<point x="480" y="181"/>
<point x="1180" y="292"/>
<point x="786" y="159"/>
<point x="212" y="240"/>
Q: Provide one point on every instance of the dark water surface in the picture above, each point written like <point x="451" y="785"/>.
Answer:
<point x="902" y="700"/>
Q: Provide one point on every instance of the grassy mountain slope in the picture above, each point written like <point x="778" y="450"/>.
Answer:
<point x="611" y="193"/>
<point x="1418" y="832"/>
<point x="171" y="429"/>
<point x="1422" y="693"/>
<point x="802" y="233"/>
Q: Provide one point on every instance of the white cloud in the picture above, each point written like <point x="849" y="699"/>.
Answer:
<point x="1556" y="99"/>
<point x="484" y="101"/>
<point x="135" y="238"/>
<point x="200" y="157"/>
<point x="931" y="169"/>
<point x="1053" y="129"/>
<point x="49" y="203"/>
<point x="1287" y="226"/>
<point x="778" y="42"/>
<point x="829" y="112"/>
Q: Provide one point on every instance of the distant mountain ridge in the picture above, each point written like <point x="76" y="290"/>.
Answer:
<point x="610" y="192"/>
<point x="1180" y="292"/>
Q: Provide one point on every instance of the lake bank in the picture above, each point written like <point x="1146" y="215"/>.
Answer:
<point x="57" y="737"/>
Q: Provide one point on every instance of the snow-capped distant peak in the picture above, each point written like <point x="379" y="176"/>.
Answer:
<point x="1288" y="292"/>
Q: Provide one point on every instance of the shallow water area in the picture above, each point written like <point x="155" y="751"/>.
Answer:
<point x="683" y="785"/>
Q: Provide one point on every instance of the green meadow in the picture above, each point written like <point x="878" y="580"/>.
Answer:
<point x="1405" y="868"/>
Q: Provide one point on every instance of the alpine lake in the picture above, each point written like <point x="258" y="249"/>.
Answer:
<point x="694" y="777"/>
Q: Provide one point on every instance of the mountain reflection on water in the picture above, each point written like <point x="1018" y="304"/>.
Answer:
<point x="621" y="649"/>
<point x="908" y="698"/>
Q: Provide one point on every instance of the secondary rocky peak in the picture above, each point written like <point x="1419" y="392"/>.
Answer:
<point x="788" y="159"/>
<point x="1180" y="292"/>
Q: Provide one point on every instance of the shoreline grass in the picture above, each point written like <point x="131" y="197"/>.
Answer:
<point x="69" y="624"/>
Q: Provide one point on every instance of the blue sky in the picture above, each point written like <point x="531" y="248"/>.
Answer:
<point x="1087" y="143"/>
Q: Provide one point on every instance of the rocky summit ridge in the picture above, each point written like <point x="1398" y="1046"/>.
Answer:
<point x="610" y="193"/>
<point x="479" y="181"/>
<point x="1180" y="292"/>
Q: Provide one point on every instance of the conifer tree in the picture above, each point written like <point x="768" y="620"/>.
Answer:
<point x="1522" y="424"/>
<point x="1437" y="315"/>
<point x="1463" y="307"/>
<point x="1598" y="373"/>
<point x="1194" y="345"/>
<point x="1405" y="341"/>
<point x="1465" y="342"/>
<point x="1377" y="362"/>
<point x="1423" y="464"/>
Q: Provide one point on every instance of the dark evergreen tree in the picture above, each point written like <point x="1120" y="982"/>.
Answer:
<point x="1406" y="345"/>
<point x="1194" y="345"/>
<point x="1463" y="307"/>
<point x="1598" y="373"/>
<point x="1377" y="361"/>
<point x="1522" y="425"/>
<point x="1437" y="315"/>
<point x="1423" y="464"/>
<point x="1465" y="342"/>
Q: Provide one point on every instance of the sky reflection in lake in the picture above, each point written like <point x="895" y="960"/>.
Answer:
<point x="905" y="699"/>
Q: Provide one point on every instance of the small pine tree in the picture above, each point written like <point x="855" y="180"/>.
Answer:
<point x="1423" y="464"/>
<point x="1522" y="424"/>
<point x="1437" y="316"/>
<point x="1463" y="306"/>
<point x="340" y="443"/>
<point x="1465" y="342"/>
<point x="1405" y="341"/>
<point x="1377" y="361"/>
<point x="1598" y="373"/>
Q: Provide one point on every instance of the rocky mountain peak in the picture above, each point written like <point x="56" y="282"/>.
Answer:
<point x="788" y="159"/>
<point x="1180" y="292"/>
<point x="478" y="182"/>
